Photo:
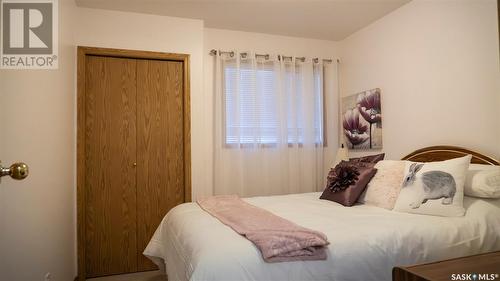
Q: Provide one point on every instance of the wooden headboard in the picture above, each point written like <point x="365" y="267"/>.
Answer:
<point x="443" y="152"/>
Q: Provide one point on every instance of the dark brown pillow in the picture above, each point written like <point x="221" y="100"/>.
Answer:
<point x="347" y="181"/>
<point x="370" y="158"/>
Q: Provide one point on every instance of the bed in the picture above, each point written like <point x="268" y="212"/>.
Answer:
<point x="366" y="241"/>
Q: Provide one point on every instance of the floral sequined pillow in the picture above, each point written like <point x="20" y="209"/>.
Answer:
<point x="347" y="181"/>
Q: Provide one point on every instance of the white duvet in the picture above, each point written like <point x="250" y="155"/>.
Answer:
<point x="366" y="241"/>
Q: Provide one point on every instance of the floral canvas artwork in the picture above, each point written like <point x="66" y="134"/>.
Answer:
<point x="362" y="120"/>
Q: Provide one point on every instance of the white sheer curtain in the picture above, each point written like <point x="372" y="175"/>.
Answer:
<point x="268" y="125"/>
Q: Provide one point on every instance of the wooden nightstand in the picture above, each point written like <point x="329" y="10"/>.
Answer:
<point x="485" y="266"/>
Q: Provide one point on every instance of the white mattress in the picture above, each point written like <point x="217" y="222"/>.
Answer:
<point x="366" y="241"/>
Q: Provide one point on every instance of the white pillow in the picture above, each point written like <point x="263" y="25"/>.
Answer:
<point x="483" y="181"/>
<point x="434" y="188"/>
<point x="383" y="189"/>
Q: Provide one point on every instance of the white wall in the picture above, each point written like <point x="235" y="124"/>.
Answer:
<point x="437" y="63"/>
<point x="38" y="126"/>
<point x="37" y="225"/>
<point x="265" y="43"/>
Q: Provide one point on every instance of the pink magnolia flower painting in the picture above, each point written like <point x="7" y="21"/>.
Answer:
<point x="362" y="120"/>
<point x="354" y="130"/>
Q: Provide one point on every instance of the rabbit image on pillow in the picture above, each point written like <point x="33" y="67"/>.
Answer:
<point x="436" y="185"/>
<point x="434" y="188"/>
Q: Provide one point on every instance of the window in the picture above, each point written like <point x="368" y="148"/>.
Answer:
<point x="255" y="110"/>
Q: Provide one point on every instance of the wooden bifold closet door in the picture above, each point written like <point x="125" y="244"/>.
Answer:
<point x="160" y="174"/>
<point x="134" y="159"/>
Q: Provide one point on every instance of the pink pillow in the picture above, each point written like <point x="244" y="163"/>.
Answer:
<point x="383" y="190"/>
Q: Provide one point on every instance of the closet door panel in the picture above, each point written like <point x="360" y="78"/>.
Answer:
<point x="160" y="158"/>
<point x="110" y="176"/>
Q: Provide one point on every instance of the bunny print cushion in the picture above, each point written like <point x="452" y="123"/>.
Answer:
<point x="434" y="188"/>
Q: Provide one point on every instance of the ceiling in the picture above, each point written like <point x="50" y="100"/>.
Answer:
<point x="320" y="19"/>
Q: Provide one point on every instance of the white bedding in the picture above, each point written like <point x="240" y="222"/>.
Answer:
<point x="366" y="241"/>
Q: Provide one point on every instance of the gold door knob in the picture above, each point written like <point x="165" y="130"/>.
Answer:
<point x="134" y="164"/>
<point x="17" y="171"/>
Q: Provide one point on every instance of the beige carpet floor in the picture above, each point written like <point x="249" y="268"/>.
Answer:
<point x="141" y="276"/>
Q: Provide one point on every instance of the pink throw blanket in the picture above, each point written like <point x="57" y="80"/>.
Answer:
<point x="277" y="239"/>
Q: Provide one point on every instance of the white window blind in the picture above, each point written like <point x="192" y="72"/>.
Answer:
<point x="252" y="102"/>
